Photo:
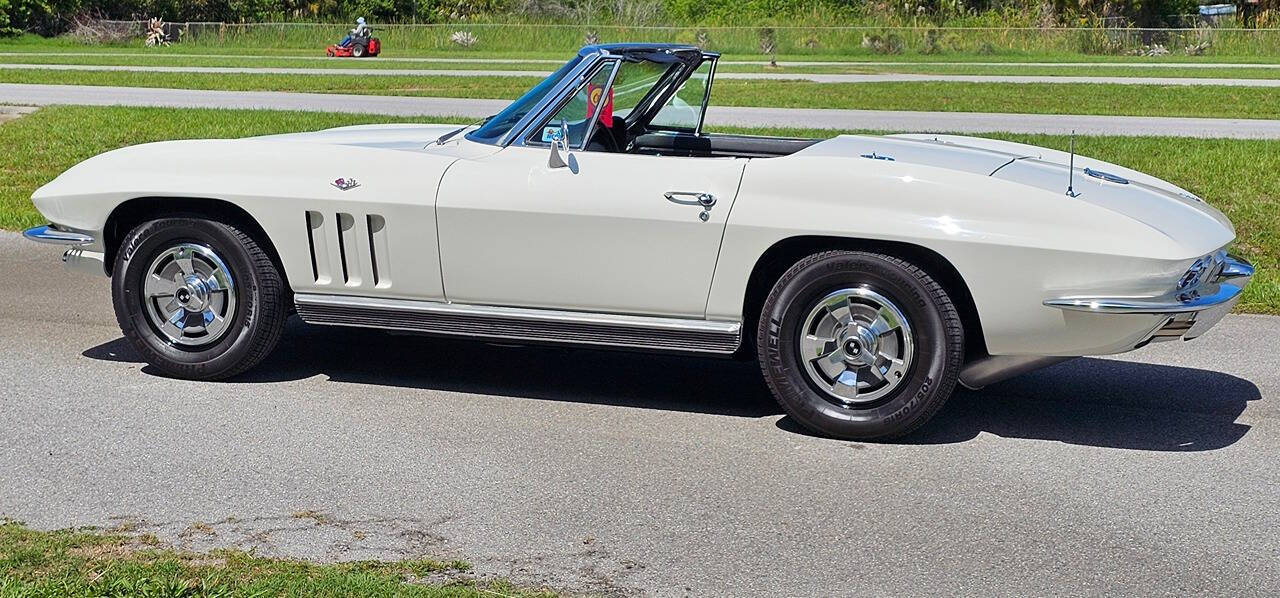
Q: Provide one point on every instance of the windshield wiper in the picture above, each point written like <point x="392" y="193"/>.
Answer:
<point x="454" y="133"/>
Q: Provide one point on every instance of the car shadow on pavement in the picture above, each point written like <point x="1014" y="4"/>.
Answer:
<point x="1093" y="402"/>
<point x="1099" y="402"/>
<point x="361" y="356"/>
<point x="1107" y="403"/>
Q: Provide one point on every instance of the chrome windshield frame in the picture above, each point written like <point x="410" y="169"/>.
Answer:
<point x="569" y="84"/>
<point x="706" y="97"/>
<point x="595" y="111"/>
<point x="591" y="57"/>
<point x="528" y="139"/>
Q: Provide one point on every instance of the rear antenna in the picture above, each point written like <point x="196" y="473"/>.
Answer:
<point x="1071" y="167"/>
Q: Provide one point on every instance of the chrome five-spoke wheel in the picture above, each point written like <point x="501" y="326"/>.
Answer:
<point x="197" y="298"/>
<point x="859" y="345"/>
<point x="190" y="295"/>
<point x="856" y="345"/>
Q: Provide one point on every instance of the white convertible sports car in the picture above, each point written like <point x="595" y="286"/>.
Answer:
<point x="867" y="274"/>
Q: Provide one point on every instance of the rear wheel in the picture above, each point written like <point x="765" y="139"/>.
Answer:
<point x="197" y="299"/>
<point x="860" y="346"/>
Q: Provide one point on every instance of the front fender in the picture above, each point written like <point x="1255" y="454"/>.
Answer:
<point x="276" y="182"/>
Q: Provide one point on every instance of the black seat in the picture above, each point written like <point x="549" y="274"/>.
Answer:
<point x="619" y="132"/>
<point x="609" y="139"/>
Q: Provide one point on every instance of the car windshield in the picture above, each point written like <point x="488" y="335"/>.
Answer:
<point x="496" y="127"/>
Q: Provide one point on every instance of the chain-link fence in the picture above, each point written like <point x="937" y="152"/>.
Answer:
<point x="782" y="40"/>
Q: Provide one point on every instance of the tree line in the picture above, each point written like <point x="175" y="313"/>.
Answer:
<point x="50" y="17"/>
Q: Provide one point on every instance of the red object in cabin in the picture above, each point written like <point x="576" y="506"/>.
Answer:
<point x="593" y="100"/>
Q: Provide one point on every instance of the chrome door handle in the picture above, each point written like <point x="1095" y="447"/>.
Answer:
<point x="706" y="200"/>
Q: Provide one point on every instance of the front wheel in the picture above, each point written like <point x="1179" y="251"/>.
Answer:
<point x="197" y="299"/>
<point x="357" y="51"/>
<point x="859" y="346"/>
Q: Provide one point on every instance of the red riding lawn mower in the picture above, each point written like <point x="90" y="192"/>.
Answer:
<point x="360" y="46"/>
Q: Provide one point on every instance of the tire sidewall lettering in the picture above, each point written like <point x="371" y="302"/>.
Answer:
<point x="147" y="240"/>
<point x="818" y="275"/>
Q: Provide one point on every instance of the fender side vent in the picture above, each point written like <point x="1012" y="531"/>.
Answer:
<point x="348" y="250"/>
<point x="317" y="242"/>
<point x="354" y="249"/>
<point x="379" y="252"/>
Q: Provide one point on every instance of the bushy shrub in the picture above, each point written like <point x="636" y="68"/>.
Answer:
<point x="932" y="43"/>
<point x="886" y="44"/>
<point x="5" y="29"/>
<point x="465" y="39"/>
<point x="37" y="16"/>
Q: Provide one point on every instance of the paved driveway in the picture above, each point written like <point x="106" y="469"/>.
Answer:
<point x="622" y="474"/>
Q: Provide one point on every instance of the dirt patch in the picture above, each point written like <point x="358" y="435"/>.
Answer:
<point x="8" y="113"/>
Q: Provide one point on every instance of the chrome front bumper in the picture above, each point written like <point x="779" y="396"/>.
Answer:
<point x="1191" y="310"/>
<point x="56" y="236"/>
<point x="76" y="257"/>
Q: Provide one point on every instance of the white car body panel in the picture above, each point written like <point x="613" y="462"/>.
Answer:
<point x="568" y="242"/>
<point x="1015" y="245"/>
<point x="1036" y="236"/>
<point x="277" y="180"/>
<point x="604" y="239"/>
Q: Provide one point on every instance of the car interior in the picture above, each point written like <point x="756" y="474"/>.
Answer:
<point x="654" y="106"/>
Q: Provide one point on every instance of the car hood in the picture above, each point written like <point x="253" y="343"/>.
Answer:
<point x="410" y="137"/>
<point x="1161" y="205"/>
<point x="387" y="160"/>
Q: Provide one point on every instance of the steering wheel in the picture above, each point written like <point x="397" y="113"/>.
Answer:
<point x="604" y="138"/>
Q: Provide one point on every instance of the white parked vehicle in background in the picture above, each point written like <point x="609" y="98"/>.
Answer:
<point x="866" y="274"/>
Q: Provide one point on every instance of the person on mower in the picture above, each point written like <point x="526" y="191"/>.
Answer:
<point x="361" y="29"/>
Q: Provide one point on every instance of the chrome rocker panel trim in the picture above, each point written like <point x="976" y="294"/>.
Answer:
<point x="520" y="324"/>
<point x="54" y="236"/>
<point x="1223" y="288"/>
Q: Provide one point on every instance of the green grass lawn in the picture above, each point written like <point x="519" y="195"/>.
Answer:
<point x="308" y="62"/>
<point x="559" y="43"/>
<point x="1026" y="69"/>
<point x="91" y="563"/>
<point x="135" y="57"/>
<point x="1237" y="176"/>
<point x="1031" y="98"/>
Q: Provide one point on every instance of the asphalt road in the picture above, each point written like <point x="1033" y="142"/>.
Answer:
<point x="613" y="473"/>
<point x="812" y="77"/>
<point x="884" y="120"/>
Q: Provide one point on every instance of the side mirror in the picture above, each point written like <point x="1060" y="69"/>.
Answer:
<point x="559" y="143"/>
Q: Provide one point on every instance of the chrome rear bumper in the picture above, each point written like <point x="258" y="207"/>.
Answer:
<point x="1223" y="285"/>
<point x="1190" y="310"/>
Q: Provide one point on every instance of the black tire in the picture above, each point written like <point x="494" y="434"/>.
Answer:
<point x="934" y="327"/>
<point x="358" y="50"/>
<point x="253" y="322"/>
